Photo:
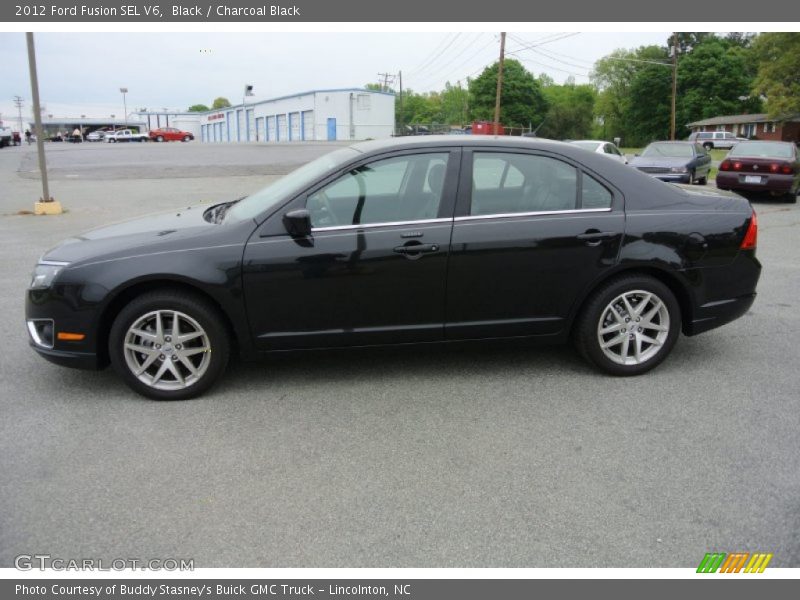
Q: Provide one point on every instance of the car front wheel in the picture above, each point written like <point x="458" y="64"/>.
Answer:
<point x="186" y="138"/>
<point x="629" y="325"/>
<point x="169" y="345"/>
<point x="160" y="138"/>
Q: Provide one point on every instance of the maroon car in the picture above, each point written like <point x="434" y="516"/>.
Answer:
<point x="769" y="167"/>
<point x="170" y="134"/>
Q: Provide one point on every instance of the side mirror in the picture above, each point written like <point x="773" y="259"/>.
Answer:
<point x="298" y="222"/>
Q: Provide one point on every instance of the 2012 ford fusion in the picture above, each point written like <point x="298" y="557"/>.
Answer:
<point x="413" y="240"/>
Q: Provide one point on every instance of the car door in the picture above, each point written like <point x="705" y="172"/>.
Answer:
<point x="703" y="161"/>
<point x="532" y="232"/>
<point x="372" y="271"/>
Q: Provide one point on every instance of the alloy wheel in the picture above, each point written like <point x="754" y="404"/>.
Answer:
<point x="633" y="327"/>
<point x="167" y="350"/>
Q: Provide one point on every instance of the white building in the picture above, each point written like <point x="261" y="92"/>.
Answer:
<point x="341" y="114"/>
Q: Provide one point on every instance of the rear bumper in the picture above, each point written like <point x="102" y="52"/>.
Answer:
<point x="770" y="182"/>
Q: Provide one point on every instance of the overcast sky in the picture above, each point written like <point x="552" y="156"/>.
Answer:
<point x="81" y="73"/>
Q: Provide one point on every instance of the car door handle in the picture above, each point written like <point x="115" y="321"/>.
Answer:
<point x="596" y="236"/>
<point x="416" y="249"/>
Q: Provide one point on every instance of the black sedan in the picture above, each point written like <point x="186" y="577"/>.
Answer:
<point x="676" y="162"/>
<point x="413" y="240"/>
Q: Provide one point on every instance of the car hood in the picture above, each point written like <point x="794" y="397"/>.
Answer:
<point x="144" y="235"/>
<point x="659" y="161"/>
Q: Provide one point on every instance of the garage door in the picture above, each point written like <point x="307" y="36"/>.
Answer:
<point x="294" y="121"/>
<point x="283" y="130"/>
<point x="308" y="125"/>
<point x="251" y="125"/>
<point x="260" y="135"/>
<point x="271" y="133"/>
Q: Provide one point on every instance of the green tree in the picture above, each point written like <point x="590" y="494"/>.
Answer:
<point x="778" y="59"/>
<point x="521" y="101"/>
<point x="571" y="111"/>
<point x="714" y="79"/>
<point x="220" y="103"/>
<point x="614" y="76"/>
<point x="198" y="108"/>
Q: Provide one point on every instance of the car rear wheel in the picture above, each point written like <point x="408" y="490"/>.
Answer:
<point x="169" y="345"/>
<point x="708" y="145"/>
<point x="629" y="325"/>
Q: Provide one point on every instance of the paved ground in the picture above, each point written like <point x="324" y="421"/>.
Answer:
<point x="441" y="457"/>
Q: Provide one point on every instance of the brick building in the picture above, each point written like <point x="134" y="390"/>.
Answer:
<point x="759" y="126"/>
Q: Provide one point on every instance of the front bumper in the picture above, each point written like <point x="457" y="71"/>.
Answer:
<point x="66" y="309"/>
<point x="670" y="177"/>
<point x="72" y="359"/>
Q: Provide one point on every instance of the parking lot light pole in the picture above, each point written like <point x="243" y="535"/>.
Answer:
<point x="46" y="205"/>
<point x="124" y="91"/>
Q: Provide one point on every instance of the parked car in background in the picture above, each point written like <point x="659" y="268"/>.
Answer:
<point x="715" y="139"/>
<point x="98" y="135"/>
<point x="409" y="240"/>
<point x="125" y="135"/>
<point x="756" y="166"/>
<point x="6" y="137"/>
<point x="170" y="134"/>
<point x="608" y="149"/>
<point x="676" y="162"/>
<point x="16" y="138"/>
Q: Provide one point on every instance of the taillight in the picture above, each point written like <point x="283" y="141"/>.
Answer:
<point x="787" y="170"/>
<point x="774" y="168"/>
<point x="725" y="165"/>
<point x="751" y="236"/>
<point x="737" y="166"/>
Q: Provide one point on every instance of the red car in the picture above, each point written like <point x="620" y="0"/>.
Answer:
<point x="757" y="166"/>
<point x="170" y="134"/>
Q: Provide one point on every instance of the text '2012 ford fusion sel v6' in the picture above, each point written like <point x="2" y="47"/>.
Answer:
<point x="403" y="241"/>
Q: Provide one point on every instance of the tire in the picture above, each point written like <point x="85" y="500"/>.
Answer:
<point x="691" y="178"/>
<point x="708" y="145"/>
<point x="160" y="138"/>
<point x="703" y="180"/>
<point x="606" y="308"/>
<point x="186" y="138"/>
<point x="167" y="369"/>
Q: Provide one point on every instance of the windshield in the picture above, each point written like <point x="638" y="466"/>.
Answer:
<point x="763" y="150"/>
<point x="668" y="150"/>
<point x="586" y="145"/>
<point x="283" y="188"/>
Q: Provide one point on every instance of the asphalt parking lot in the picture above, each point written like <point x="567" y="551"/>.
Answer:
<point x="443" y="457"/>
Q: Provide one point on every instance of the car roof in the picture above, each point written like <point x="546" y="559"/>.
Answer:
<point x="589" y="142"/>
<point x="473" y="141"/>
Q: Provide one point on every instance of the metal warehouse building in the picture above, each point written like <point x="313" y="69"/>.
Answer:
<point x="341" y="114"/>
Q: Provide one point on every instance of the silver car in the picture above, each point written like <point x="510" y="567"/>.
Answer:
<point x="715" y="139"/>
<point x="600" y="147"/>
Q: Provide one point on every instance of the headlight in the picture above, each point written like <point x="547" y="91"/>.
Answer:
<point x="678" y="170"/>
<point x="44" y="274"/>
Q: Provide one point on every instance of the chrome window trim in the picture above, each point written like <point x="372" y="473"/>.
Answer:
<point x="386" y="224"/>
<point x="533" y="214"/>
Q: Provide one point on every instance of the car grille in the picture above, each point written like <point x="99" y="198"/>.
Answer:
<point x="654" y="169"/>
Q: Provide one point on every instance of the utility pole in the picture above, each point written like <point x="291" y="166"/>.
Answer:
<point x="400" y="120"/>
<point x="46" y="205"/>
<point x="18" y="104"/>
<point x="386" y="80"/>
<point x="674" y="83"/>
<point x="499" y="82"/>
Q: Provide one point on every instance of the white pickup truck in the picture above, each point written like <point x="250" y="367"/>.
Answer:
<point x="125" y="135"/>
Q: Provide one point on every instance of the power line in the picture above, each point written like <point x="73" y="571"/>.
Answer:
<point x="434" y="75"/>
<point x="437" y="54"/>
